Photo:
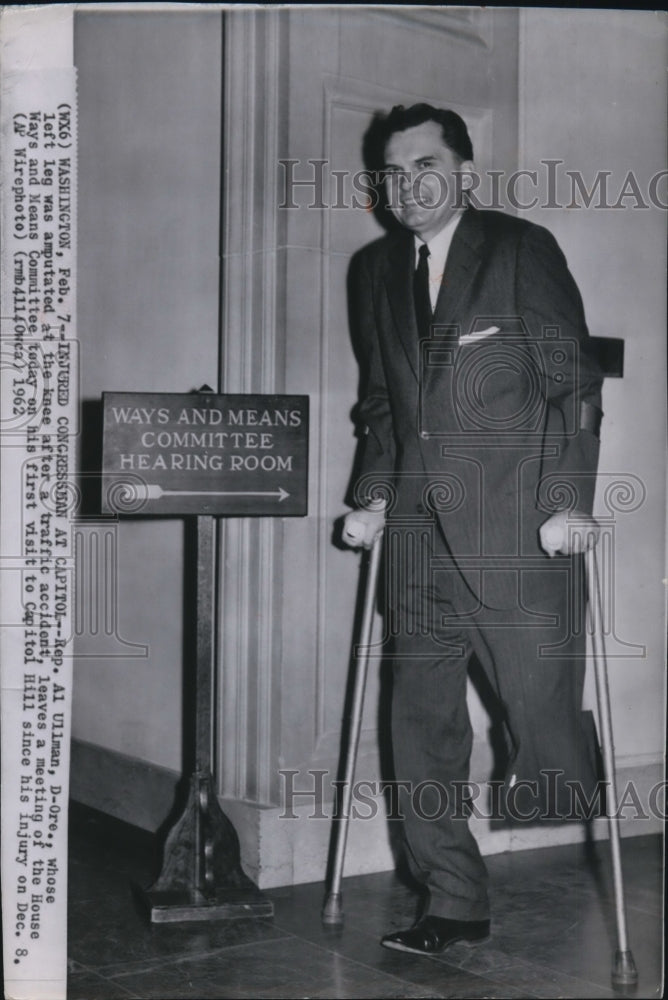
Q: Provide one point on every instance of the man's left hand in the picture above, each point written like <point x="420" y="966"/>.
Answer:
<point x="568" y="532"/>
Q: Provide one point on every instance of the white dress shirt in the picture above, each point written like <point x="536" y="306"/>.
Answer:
<point x="439" y="246"/>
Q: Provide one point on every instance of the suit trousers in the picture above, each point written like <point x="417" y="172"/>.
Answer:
<point x="533" y="658"/>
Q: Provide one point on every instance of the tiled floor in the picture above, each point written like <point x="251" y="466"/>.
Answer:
<point x="553" y="932"/>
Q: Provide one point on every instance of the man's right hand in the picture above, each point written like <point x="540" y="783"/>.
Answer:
<point x="360" y="527"/>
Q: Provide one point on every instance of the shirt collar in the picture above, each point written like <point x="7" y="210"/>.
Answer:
<point x="440" y="243"/>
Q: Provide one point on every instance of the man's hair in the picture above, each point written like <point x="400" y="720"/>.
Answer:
<point x="453" y="128"/>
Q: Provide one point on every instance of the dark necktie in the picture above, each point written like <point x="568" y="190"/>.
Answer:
<point x="423" y="313"/>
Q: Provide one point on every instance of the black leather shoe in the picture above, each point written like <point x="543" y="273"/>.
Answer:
<point x="431" y="935"/>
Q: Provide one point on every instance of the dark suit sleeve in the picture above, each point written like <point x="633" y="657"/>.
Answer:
<point x="377" y="457"/>
<point x="549" y="301"/>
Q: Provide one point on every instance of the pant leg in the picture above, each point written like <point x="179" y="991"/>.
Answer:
<point x="432" y="739"/>
<point x="538" y="673"/>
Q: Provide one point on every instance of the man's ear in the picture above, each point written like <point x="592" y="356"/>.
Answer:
<point x="467" y="173"/>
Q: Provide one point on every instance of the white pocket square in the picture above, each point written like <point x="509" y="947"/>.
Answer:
<point x="472" y="338"/>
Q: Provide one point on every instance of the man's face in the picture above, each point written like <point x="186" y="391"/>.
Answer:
<point x="422" y="189"/>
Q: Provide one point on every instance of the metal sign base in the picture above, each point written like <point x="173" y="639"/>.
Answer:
<point x="184" y="906"/>
<point x="201" y="877"/>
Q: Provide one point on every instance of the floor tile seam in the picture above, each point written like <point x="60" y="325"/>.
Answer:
<point x="86" y="970"/>
<point x="323" y="946"/>
<point x="352" y="925"/>
<point x="434" y="959"/>
<point x="82" y="967"/>
<point x="486" y="978"/>
<point x="181" y="957"/>
<point x="389" y="978"/>
<point x="507" y="961"/>
<point x="541" y="968"/>
<point x="656" y="912"/>
<point x="358" y="962"/>
<point x="449" y="960"/>
<point x="433" y="995"/>
<point x="380" y="974"/>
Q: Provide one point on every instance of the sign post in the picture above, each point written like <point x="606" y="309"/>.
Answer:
<point x="201" y="455"/>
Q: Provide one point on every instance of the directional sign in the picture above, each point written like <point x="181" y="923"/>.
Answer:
<point x="202" y="453"/>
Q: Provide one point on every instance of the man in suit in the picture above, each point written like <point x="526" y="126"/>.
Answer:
<point x="480" y="406"/>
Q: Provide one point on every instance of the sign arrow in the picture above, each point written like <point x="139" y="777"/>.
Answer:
<point x="154" y="492"/>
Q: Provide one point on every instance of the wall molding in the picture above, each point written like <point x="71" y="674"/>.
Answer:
<point x="252" y="360"/>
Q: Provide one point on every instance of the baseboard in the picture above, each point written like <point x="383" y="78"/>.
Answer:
<point x="286" y="846"/>
<point x="126" y="788"/>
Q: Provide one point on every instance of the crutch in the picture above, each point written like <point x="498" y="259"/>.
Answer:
<point x="624" y="973"/>
<point x="332" y="911"/>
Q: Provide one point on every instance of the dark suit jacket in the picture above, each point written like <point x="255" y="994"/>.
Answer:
<point x="491" y="434"/>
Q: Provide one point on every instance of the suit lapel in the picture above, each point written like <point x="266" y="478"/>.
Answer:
<point x="461" y="266"/>
<point x="399" y="285"/>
